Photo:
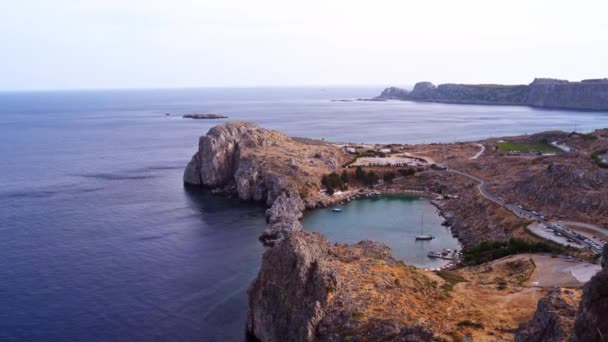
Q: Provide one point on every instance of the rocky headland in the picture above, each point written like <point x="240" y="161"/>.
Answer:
<point x="542" y="92"/>
<point x="311" y="290"/>
<point x="252" y="163"/>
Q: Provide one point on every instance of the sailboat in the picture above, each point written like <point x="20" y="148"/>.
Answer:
<point x="422" y="236"/>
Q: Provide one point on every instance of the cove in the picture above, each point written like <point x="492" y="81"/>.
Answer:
<point x="394" y="220"/>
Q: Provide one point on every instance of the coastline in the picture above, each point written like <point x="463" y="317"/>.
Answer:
<point x="255" y="164"/>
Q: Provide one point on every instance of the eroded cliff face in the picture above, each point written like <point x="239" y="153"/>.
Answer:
<point x="592" y="319"/>
<point x="257" y="164"/>
<point x="292" y="290"/>
<point x="306" y="291"/>
<point x="588" y="94"/>
<point x="548" y="93"/>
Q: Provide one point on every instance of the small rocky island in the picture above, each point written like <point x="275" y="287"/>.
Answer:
<point x="204" y="116"/>
<point x="309" y="289"/>
<point x="589" y="94"/>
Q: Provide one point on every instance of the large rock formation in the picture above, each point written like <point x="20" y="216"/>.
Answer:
<point x="549" y="93"/>
<point x="292" y="290"/>
<point x="302" y="293"/>
<point x="592" y="319"/>
<point x="258" y="164"/>
<point x="554" y="318"/>
<point x="588" y="94"/>
<point x="394" y="93"/>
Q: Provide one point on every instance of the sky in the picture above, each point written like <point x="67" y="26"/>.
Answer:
<point x="88" y="44"/>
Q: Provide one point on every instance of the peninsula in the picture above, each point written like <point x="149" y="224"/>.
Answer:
<point x="542" y="92"/>
<point x="503" y="288"/>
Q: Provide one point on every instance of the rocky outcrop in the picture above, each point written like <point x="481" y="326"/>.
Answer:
<point x="553" y="320"/>
<point x="302" y="294"/>
<point x="262" y="165"/>
<point x="283" y="218"/>
<point x="547" y="93"/>
<point x="591" y="322"/>
<point x="292" y="290"/>
<point x="394" y="93"/>
<point x="219" y="153"/>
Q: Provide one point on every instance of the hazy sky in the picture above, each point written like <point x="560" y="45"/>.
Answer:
<point x="74" y="44"/>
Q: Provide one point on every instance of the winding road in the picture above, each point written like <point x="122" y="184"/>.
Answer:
<point x="520" y="212"/>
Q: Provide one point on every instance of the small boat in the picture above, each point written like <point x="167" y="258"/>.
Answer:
<point x="422" y="236"/>
<point x="434" y="255"/>
<point x="336" y="210"/>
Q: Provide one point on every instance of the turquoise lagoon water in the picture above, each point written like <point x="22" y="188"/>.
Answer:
<point x="393" y="219"/>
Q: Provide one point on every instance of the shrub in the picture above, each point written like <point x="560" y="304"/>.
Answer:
<point x="388" y="177"/>
<point x="451" y="279"/>
<point x="333" y="181"/>
<point x="407" y="172"/>
<point x="467" y="323"/>
<point x="357" y="314"/>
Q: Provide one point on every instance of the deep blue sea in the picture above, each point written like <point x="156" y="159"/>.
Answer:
<point x="100" y="241"/>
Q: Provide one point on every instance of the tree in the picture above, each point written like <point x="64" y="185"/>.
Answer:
<point x="359" y="173"/>
<point x="388" y="177"/>
<point x="344" y="176"/>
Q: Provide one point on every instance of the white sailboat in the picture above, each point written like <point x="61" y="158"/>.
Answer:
<point x="422" y="236"/>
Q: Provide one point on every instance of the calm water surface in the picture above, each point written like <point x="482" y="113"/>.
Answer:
<point x="393" y="219"/>
<point x="99" y="240"/>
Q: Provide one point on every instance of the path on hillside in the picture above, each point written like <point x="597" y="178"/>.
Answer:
<point x="483" y="148"/>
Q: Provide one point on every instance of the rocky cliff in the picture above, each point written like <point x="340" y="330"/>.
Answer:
<point x="310" y="290"/>
<point x="542" y="92"/>
<point x="257" y="164"/>
<point x="588" y="94"/>
<point x="592" y="319"/>
<point x="307" y="290"/>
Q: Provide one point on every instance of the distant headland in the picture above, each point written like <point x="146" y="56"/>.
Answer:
<point x="589" y="94"/>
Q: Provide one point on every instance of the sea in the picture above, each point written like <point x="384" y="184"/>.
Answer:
<point x="100" y="240"/>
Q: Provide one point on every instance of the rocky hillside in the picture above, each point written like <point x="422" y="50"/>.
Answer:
<point x="311" y="290"/>
<point x="548" y="93"/>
